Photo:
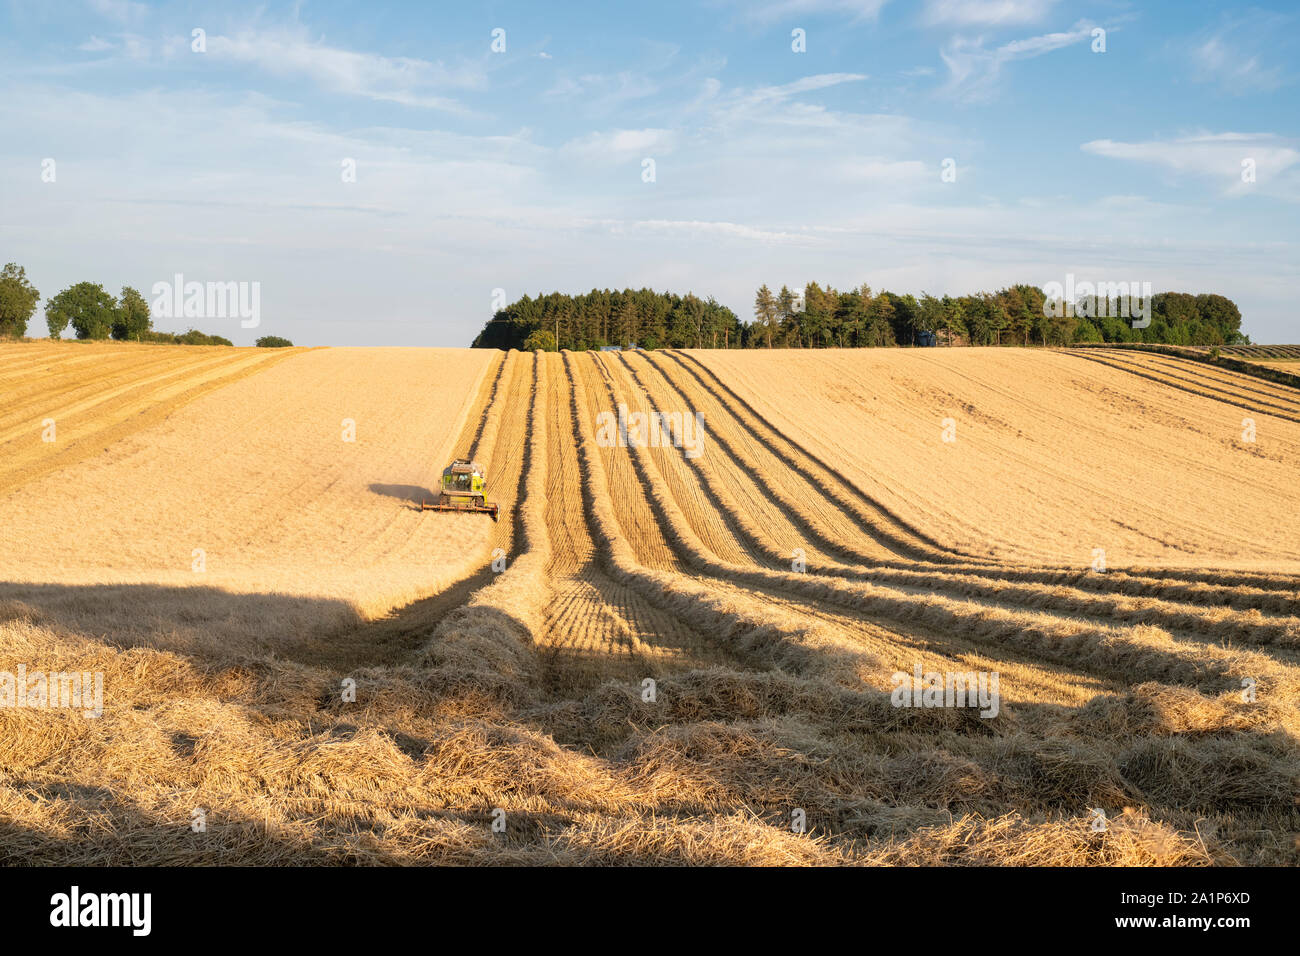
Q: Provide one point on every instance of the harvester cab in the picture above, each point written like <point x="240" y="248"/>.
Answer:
<point x="464" y="488"/>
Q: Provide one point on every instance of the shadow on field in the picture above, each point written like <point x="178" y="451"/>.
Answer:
<point x="106" y="829"/>
<point x="204" y="622"/>
<point x="214" y="626"/>
<point x="473" y="712"/>
<point x="412" y="493"/>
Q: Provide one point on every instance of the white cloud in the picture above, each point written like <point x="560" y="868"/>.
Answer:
<point x="1218" y="158"/>
<point x="132" y="46"/>
<point x="818" y="82"/>
<point x="600" y="93"/>
<point x="884" y="172"/>
<point x="769" y="11"/>
<point x="1218" y="60"/>
<point x="967" y="13"/>
<point x="404" y="80"/>
<point x="974" y="69"/>
<point x="621" y="144"/>
<point x="763" y="182"/>
<point x="660" y="72"/>
<point x="742" y="103"/>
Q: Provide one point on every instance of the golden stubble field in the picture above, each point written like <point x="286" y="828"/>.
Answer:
<point x="685" y="655"/>
<point x="298" y="487"/>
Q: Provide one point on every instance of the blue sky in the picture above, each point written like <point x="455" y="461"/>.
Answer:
<point x="522" y="170"/>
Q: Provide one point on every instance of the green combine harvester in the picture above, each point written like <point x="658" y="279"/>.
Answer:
<point x="464" y="488"/>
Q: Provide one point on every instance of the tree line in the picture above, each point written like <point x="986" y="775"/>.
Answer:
<point x="824" y="317"/>
<point x="93" y="313"/>
<point x="603" y="317"/>
<point x="1017" y="315"/>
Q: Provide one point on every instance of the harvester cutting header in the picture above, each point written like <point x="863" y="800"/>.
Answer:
<point x="464" y="488"/>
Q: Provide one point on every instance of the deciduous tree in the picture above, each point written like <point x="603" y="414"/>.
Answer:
<point x="18" y="299"/>
<point x="86" y="307"/>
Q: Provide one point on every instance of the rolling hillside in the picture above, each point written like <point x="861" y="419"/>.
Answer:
<point x="688" y="657"/>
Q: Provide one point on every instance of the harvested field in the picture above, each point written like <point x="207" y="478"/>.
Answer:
<point x="92" y="394"/>
<point x="1055" y="453"/>
<point x="250" y="490"/>
<point x="654" y="677"/>
<point x="1263" y="353"/>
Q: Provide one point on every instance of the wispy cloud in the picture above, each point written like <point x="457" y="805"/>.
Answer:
<point x="131" y="46"/>
<point x="599" y="93"/>
<point x="742" y="101"/>
<point x="404" y="80"/>
<point x="1218" y="158"/>
<point x="659" y="73"/>
<point x="769" y="11"/>
<point x="1229" y="57"/>
<point x="819" y="81"/>
<point x="974" y="69"/>
<point x="621" y="144"/>
<point x="967" y="13"/>
<point x="768" y="163"/>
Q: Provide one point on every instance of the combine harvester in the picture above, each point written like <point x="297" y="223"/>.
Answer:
<point x="463" y="489"/>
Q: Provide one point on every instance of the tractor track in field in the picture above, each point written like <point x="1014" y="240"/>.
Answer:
<point x="1190" y="619"/>
<point x="1283" y="630"/>
<point x="1194" y="387"/>
<point x="597" y="628"/>
<point x="1138" y="577"/>
<point x="956" y="613"/>
<point x="760" y="587"/>
<point x="1136" y="582"/>
<point x="524" y="688"/>
<point x="497" y="438"/>
<point x="871" y="517"/>
<point x="487" y="399"/>
<point x="1234" y="383"/>
<point x="748" y="480"/>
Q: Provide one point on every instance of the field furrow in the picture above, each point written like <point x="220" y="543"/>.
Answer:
<point x="668" y="643"/>
<point x="851" y="502"/>
<point x="73" y="407"/>
<point x="597" y="628"/>
<point x="1196" y="385"/>
<point x="1271" y="394"/>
